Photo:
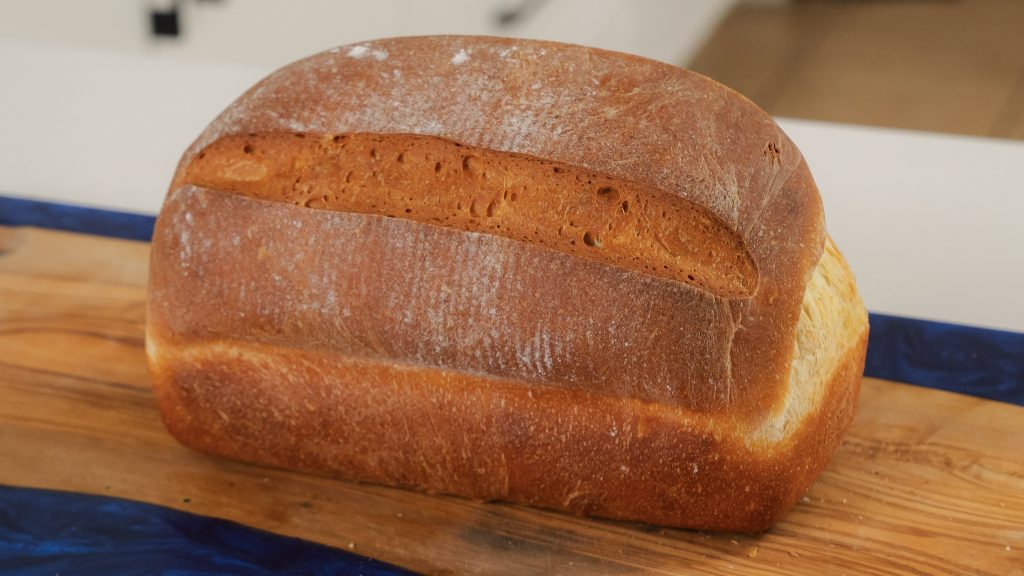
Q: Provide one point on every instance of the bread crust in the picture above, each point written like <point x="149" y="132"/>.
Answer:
<point x="398" y="352"/>
<point x="434" y="181"/>
<point x="625" y="116"/>
<point x="267" y="369"/>
<point x="228" y="266"/>
<point x="485" y="439"/>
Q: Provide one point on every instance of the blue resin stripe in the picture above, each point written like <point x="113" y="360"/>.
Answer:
<point x="965" y="359"/>
<point x="47" y="532"/>
<point x="96" y="221"/>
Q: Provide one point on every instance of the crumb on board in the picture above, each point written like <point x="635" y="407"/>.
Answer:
<point x="753" y="552"/>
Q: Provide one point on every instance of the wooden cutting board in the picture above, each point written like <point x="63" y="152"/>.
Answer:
<point x="926" y="482"/>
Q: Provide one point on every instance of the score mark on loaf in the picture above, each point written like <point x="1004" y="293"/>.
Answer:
<point x="538" y="273"/>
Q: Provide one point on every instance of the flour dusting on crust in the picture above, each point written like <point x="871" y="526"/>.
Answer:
<point x="620" y="115"/>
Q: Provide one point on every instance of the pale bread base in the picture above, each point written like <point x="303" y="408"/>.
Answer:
<point x="832" y="317"/>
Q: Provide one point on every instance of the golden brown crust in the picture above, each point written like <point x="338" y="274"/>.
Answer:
<point x="296" y="382"/>
<point x="395" y="351"/>
<point x="615" y="114"/>
<point x="226" y="266"/>
<point x="483" y="438"/>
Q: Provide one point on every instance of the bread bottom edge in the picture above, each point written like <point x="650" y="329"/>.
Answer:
<point x="481" y="438"/>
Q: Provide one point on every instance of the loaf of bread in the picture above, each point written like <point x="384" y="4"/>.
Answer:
<point x="507" y="270"/>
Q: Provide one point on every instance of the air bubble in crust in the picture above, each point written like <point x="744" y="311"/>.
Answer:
<point x="608" y="193"/>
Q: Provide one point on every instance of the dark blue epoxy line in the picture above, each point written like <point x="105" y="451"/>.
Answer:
<point x="46" y="532"/>
<point x="975" y="361"/>
<point x="21" y="212"/>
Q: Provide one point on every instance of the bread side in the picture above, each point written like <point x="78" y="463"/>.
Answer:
<point x="259" y="395"/>
<point x="226" y="266"/>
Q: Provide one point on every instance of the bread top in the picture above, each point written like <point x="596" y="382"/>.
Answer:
<point x="664" y="133"/>
<point x="439" y="182"/>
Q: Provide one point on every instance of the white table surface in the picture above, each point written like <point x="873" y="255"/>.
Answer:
<point x="931" y="223"/>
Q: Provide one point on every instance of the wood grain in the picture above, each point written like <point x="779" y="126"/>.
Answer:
<point x="926" y="482"/>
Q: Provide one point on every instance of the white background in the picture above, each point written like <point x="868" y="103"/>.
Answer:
<point x="272" y="33"/>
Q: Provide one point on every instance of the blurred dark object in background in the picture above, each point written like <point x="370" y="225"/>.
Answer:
<point x="165" y="22"/>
